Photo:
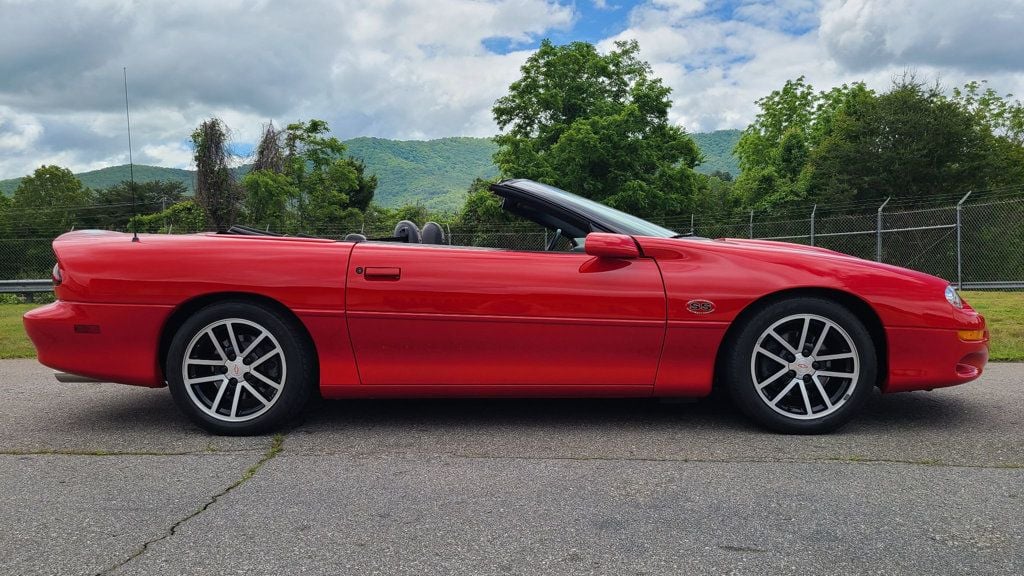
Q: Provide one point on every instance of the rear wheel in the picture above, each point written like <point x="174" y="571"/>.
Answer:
<point x="804" y="365"/>
<point x="240" y="368"/>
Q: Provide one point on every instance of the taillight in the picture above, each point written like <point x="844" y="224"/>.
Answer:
<point x="58" y="275"/>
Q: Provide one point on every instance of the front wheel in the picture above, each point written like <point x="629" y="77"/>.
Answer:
<point x="239" y="368"/>
<point x="804" y="365"/>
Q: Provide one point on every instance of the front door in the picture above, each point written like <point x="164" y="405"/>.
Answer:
<point x="443" y="315"/>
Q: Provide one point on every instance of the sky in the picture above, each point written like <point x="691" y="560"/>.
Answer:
<point x="420" y="69"/>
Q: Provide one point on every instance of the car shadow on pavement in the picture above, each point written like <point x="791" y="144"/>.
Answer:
<point x="132" y="410"/>
<point x="920" y="410"/>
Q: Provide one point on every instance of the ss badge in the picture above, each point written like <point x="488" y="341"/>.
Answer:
<point x="700" y="306"/>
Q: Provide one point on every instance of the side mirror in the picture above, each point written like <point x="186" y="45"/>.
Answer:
<point x="605" y="245"/>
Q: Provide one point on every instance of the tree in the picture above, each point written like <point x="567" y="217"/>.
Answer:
<point x="774" y="149"/>
<point x="267" y="195"/>
<point x="853" y="144"/>
<point x="1003" y="120"/>
<point x="216" y="190"/>
<point x="10" y="265"/>
<point x="48" y="203"/>
<point x="482" y="215"/>
<point x="910" y="142"/>
<point x="269" y="151"/>
<point x="116" y="207"/>
<point x="1001" y="115"/>
<point x="333" y="189"/>
<point x="787" y="110"/>
<point x="597" y="125"/>
<point x="182" y="217"/>
<point x="718" y="197"/>
<point x="361" y="197"/>
<point x="268" y="190"/>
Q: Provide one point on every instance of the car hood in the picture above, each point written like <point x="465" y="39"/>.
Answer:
<point x="783" y="253"/>
<point x="783" y="246"/>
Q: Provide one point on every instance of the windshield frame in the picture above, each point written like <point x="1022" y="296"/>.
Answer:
<point x="600" y="216"/>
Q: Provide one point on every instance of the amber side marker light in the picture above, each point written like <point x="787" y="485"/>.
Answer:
<point x="971" y="335"/>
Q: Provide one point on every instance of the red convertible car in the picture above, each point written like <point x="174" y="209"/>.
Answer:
<point x="245" y="328"/>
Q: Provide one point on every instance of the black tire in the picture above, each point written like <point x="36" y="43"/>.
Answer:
<point x="842" y="397"/>
<point x="290" y="365"/>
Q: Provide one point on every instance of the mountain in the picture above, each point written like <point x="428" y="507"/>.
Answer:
<point x="106" y="177"/>
<point x="435" y="173"/>
<point x="717" y="147"/>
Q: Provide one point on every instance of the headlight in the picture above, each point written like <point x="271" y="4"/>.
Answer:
<point x="953" y="298"/>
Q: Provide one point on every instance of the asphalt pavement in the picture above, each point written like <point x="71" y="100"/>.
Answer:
<point x="109" y="479"/>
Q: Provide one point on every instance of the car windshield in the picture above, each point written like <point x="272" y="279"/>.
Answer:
<point x="625" y="223"/>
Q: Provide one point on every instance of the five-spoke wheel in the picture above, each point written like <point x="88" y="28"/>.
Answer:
<point x="239" y="368"/>
<point x="801" y="365"/>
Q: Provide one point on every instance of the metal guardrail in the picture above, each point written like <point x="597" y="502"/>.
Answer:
<point x="27" y="287"/>
<point x="993" y="286"/>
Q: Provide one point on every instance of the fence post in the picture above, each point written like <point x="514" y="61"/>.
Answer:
<point x="751" y="224"/>
<point x="878" y="232"/>
<point x="813" y="210"/>
<point x="691" y="225"/>
<point x="959" y="238"/>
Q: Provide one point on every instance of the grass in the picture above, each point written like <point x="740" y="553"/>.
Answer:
<point x="1004" y="312"/>
<point x="13" y="341"/>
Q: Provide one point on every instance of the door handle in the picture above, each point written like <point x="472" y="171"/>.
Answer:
<point x="382" y="273"/>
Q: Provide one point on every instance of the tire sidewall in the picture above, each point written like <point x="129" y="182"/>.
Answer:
<point x="298" y="380"/>
<point x="742" y="388"/>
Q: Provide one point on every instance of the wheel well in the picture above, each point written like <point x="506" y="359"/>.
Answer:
<point x="864" y="312"/>
<point x="189" y="307"/>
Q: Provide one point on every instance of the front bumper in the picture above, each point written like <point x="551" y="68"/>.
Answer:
<point x="926" y="358"/>
<point x="106" y="342"/>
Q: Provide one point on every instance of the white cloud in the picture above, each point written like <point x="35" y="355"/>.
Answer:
<point x="173" y="155"/>
<point x="716" y="66"/>
<point x="420" y="69"/>
<point x="17" y="131"/>
<point x="392" y="68"/>
<point x="976" y="36"/>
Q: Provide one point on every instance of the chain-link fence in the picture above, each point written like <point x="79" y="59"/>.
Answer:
<point x="977" y="244"/>
<point x="29" y="257"/>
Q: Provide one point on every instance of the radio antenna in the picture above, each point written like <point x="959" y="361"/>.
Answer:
<point x="131" y="164"/>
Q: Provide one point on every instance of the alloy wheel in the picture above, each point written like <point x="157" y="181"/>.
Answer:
<point x="805" y="366"/>
<point x="234" y="370"/>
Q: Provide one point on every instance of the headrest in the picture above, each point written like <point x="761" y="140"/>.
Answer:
<point x="355" y="238"/>
<point x="408" y="232"/>
<point x="432" y="233"/>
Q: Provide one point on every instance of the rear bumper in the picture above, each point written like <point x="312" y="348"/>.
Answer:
<point x="107" y="342"/>
<point x="926" y="358"/>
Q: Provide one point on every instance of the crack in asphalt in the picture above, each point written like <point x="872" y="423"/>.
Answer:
<point x="836" y="459"/>
<point x="231" y="451"/>
<point x="275" y="448"/>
